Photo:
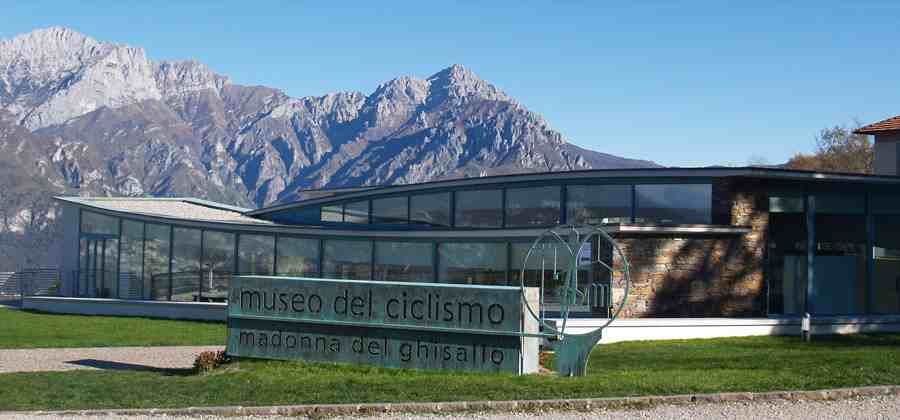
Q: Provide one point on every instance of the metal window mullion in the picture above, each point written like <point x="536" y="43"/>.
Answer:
<point x="171" y="258"/>
<point x="275" y="256"/>
<point x="434" y="261"/>
<point x="202" y="260"/>
<point x="119" y="262"/>
<point x="103" y="263"/>
<point x="408" y="209"/>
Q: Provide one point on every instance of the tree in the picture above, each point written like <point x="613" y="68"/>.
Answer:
<point x="838" y="149"/>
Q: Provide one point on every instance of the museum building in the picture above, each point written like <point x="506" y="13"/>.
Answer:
<point x="746" y="243"/>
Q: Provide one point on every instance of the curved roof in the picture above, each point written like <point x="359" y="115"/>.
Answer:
<point x="586" y="175"/>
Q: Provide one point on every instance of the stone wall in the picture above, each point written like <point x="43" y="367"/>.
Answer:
<point x="702" y="274"/>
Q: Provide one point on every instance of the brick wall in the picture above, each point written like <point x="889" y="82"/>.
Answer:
<point x="701" y="274"/>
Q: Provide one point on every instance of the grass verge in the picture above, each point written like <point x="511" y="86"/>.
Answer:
<point x="634" y="368"/>
<point x="25" y="329"/>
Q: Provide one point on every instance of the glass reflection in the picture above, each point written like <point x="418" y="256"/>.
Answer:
<point x="256" y="254"/>
<point x="347" y="260"/>
<point x="532" y="207"/>
<point x="404" y="261"/>
<point x="479" y="209"/>
<point x="472" y="263"/>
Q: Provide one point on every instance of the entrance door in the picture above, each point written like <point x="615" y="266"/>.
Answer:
<point x="98" y="272"/>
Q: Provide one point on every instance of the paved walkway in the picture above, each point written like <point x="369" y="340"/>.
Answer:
<point x="105" y="358"/>
<point x="884" y="407"/>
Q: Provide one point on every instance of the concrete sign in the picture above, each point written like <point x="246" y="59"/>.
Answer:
<point x="391" y="324"/>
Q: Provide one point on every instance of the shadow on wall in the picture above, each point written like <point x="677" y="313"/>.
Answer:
<point x="704" y="276"/>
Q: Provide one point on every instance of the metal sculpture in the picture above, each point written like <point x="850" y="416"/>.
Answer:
<point x="565" y="251"/>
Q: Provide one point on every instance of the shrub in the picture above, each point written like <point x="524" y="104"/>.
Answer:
<point x="208" y="361"/>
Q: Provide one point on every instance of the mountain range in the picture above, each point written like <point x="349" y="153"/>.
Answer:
<point x="86" y="117"/>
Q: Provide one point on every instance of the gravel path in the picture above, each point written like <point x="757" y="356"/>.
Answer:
<point x="110" y="358"/>
<point x="860" y="408"/>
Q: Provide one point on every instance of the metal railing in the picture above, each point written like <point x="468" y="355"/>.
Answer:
<point x="108" y="284"/>
<point x="31" y="282"/>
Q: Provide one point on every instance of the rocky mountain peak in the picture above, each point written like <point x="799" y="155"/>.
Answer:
<point x="459" y="83"/>
<point x="180" y="77"/>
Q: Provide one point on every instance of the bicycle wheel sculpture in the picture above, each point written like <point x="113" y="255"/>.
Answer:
<point x="574" y="268"/>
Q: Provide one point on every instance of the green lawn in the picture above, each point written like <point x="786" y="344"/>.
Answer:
<point x="22" y="329"/>
<point x="636" y="368"/>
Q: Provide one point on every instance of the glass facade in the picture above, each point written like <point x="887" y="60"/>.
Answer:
<point x="404" y="261"/>
<point x="356" y="212"/>
<point x="218" y="265"/>
<point x="855" y="251"/>
<point x="430" y="209"/>
<point x="840" y="283"/>
<point x="256" y="254"/>
<point x="186" y="255"/>
<point x="334" y="214"/>
<point x="157" y="249"/>
<point x="390" y="211"/>
<point x="472" y="263"/>
<point x="533" y="207"/>
<point x="673" y="203"/>
<point x="787" y="262"/>
<point x="297" y="257"/>
<point x="598" y="204"/>
<point x="885" y="291"/>
<point x="131" y="281"/>
<point x="350" y="260"/>
<point x="479" y="209"/>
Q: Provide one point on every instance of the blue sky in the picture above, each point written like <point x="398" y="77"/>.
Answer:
<point x="680" y="83"/>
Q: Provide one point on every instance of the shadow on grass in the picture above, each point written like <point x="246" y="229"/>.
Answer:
<point x="122" y="366"/>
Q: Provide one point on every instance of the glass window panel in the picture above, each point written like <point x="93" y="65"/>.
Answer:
<point x="298" y="257"/>
<point x="391" y="210"/>
<point x="302" y="216"/>
<point x="472" y="263"/>
<point x="218" y="264"/>
<point x="186" y="254"/>
<point x="840" y="204"/>
<point x="131" y="283"/>
<point x="256" y="254"/>
<point x="99" y="223"/>
<point x="333" y="213"/>
<point x="674" y="203"/>
<point x="156" y="261"/>
<point x="598" y="204"/>
<point x="840" y="285"/>
<point x="530" y="207"/>
<point x="886" y="275"/>
<point x="479" y="209"/>
<point x="430" y="209"/>
<point x="404" y="261"/>
<point x="786" y="204"/>
<point x="787" y="263"/>
<point x="347" y="260"/>
<point x="356" y="212"/>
